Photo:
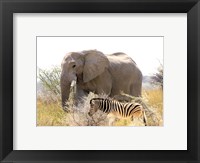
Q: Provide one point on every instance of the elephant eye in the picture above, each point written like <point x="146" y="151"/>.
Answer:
<point x="73" y="66"/>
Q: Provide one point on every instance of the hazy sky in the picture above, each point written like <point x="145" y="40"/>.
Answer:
<point x="147" y="52"/>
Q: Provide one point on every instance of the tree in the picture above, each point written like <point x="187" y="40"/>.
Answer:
<point x="157" y="78"/>
<point x="50" y="79"/>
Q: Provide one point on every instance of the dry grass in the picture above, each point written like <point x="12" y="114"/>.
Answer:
<point x="154" y="101"/>
<point x="50" y="113"/>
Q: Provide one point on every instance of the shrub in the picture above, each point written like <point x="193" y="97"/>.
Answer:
<point x="50" y="80"/>
<point x="78" y="115"/>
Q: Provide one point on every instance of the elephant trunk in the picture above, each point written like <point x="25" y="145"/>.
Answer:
<point x="65" y="91"/>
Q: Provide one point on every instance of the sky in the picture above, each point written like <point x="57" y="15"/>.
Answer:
<point x="147" y="52"/>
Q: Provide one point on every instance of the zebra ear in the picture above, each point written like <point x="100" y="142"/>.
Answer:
<point x="91" y="102"/>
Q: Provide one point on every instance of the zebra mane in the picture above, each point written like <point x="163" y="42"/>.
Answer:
<point x="99" y="99"/>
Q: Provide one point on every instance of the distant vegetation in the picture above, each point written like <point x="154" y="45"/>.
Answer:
<point x="157" y="78"/>
<point x="50" y="112"/>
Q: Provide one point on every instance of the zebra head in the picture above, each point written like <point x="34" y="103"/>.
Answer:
<point x="94" y="105"/>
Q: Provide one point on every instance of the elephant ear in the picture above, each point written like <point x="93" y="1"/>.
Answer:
<point x="95" y="64"/>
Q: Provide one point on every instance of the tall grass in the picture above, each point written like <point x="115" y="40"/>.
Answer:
<point x="154" y="102"/>
<point x="50" y="113"/>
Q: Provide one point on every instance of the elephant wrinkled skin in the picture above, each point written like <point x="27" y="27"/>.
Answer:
<point x="99" y="73"/>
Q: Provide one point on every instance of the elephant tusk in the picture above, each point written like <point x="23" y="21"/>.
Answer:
<point x="73" y="83"/>
<point x="72" y="93"/>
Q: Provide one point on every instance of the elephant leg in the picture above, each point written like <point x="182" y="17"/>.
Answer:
<point x="79" y="95"/>
<point x="136" y="89"/>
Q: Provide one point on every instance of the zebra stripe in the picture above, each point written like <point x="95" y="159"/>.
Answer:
<point x="123" y="109"/>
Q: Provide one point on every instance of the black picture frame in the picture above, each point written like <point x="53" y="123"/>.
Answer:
<point x="191" y="7"/>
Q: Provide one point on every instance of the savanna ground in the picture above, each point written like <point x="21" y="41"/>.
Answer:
<point x="50" y="112"/>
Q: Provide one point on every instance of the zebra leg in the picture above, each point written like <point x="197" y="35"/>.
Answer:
<point x="111" y="120"/>
<point x="145" y="118"/>
<point x="138" y="118"/>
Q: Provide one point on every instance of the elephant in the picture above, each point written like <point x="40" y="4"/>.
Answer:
<point x="99" y="73"/>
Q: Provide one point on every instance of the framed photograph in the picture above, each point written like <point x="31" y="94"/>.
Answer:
<point x="99" y="81"/>
<point x="99" y="77"/>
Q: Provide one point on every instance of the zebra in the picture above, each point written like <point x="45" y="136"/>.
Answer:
<point x="124" y="110"/>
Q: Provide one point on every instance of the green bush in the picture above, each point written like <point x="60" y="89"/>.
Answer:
<point x="50" y="79"/>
